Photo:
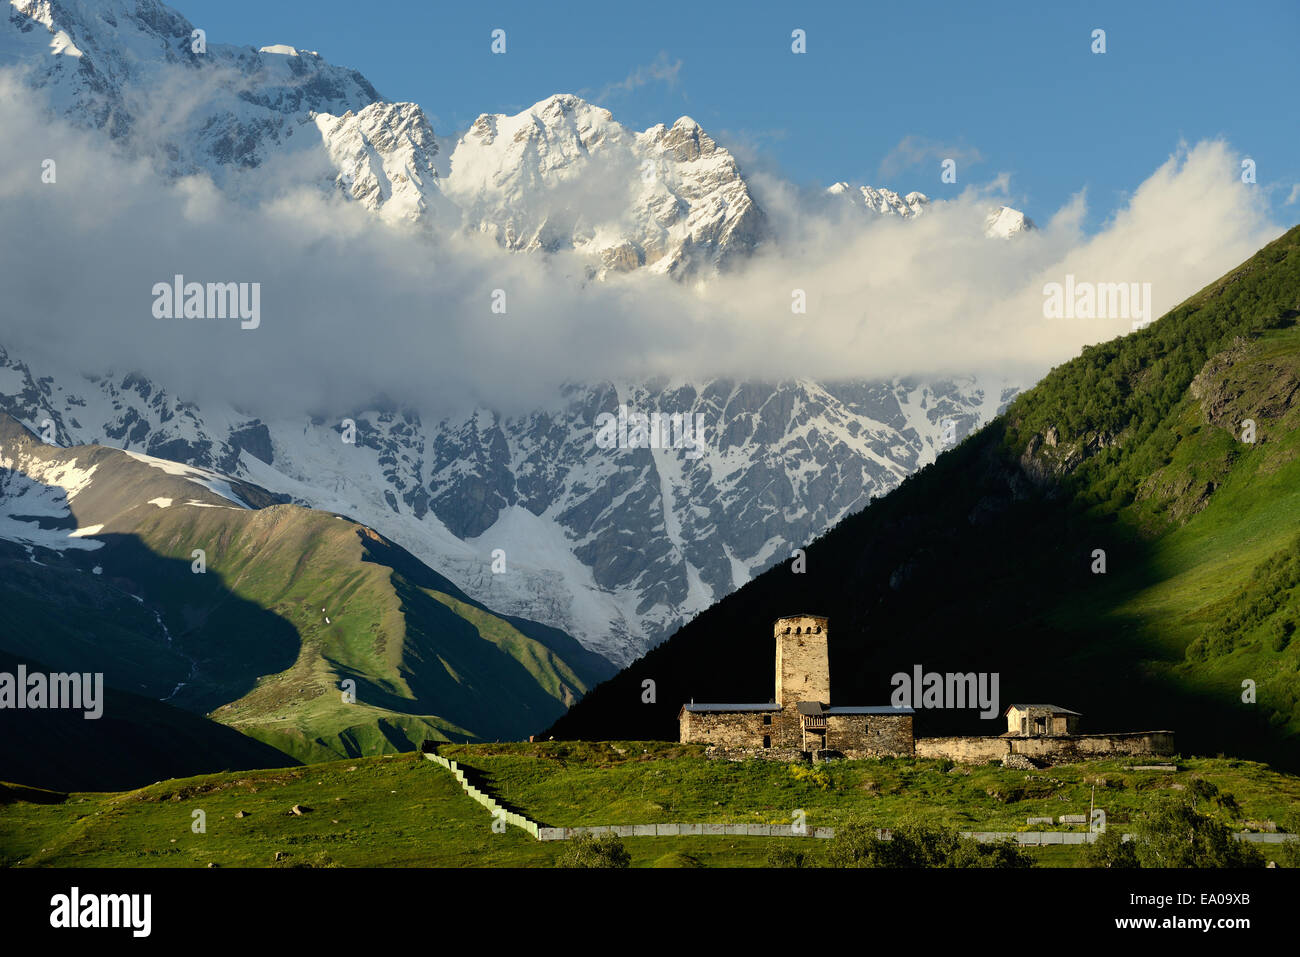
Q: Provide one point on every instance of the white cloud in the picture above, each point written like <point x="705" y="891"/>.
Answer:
<point x="352" y="308"/>
<point x="661" y="70"/>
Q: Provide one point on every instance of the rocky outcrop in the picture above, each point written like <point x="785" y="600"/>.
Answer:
<point x="1046" y="459"/>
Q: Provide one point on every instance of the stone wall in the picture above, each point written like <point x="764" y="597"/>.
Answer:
<point x="869" y="735"/>
<point x="1061" y="749"/>
<point x="1084" y="746"/>
<point x="966" y="750"/>
<point x="728" y="729"/>
<point x="787" y="729"/>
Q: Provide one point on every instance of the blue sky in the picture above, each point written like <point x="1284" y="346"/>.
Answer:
<point x="884" y="92"/>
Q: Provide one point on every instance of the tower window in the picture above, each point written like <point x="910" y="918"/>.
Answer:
<point x="767" y="719"/>
<point x="767" y="741"/>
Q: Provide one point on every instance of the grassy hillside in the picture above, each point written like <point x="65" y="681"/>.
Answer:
<point x="587" y="783"/>
<point x="407" y="811"/>
<point x="292" y="604"/>
<point x="984" y="560"/>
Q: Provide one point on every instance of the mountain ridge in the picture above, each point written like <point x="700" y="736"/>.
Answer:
<point x="226" y="583"/>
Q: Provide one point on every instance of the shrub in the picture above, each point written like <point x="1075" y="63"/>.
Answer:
<point x="779" y="855"/>
<point x="919" y="844"/>
<point x="1175" y="834"/>
<point x="1110" y="850"/>
<point x="813" y="774"/>
<point x="587" y="851"/>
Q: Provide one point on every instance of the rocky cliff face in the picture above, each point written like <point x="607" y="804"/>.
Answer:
<point x="131" y="68"/>
<point x="615" y="545"/>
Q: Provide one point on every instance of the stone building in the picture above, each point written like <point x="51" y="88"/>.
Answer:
<point x="1040" y="720"/>
<point x="1045" y="734"/>
<point x="800" y="719"/>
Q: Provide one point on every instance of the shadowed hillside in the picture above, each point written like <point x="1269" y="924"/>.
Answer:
<point x="984" y="560"/>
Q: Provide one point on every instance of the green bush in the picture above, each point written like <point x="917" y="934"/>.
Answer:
<point x="1289" y="853"/>
<point x="1175" y="834"/>
<point x="919" y="844"/>
<point x="779" y="855"/>
<point x="1110" y="850"/>
<point x="587" y="851"/>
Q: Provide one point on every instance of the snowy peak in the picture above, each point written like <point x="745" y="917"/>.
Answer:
<point x="687" y="142"/>
<point x="1005" y="222"/>
<point x="884" y="202"/>
<point x="385" y="160"/>
<point x="1002" y="222"/>
<point x="124" y="66"/>
<point x="563" y="175"/>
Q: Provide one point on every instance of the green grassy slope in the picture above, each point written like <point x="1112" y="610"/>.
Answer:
<point x="407" y="811"/>
<point x="292" y="604"/>
<point x="586" y="783"/>
<point x="983" y="561"/>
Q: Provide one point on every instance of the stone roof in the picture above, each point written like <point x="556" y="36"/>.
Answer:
<point x="1054" y="709"/>
<point x="769" y="706"/>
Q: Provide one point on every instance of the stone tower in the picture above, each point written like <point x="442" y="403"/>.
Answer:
<point x="803" y="671"/>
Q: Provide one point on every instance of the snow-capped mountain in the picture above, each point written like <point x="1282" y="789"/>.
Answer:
<point x="561" y="175"/>
<point x="616" y="546"/>
<point x="385" y="155"/>
<point x="130" y="67"/>
<point x="882" y="201"/>
<point x="1002" y="222"/>
<point x="564" y="175"/>
<point x="1005" y="222"/>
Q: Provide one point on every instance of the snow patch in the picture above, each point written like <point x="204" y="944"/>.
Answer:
<point x="212" y="481"/>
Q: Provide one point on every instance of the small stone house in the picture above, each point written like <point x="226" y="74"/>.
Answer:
<point x="800" y="719"/>
<point x="1040" y="721"/>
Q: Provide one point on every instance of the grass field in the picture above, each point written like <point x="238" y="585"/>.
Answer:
<point x="405" y="811"/>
